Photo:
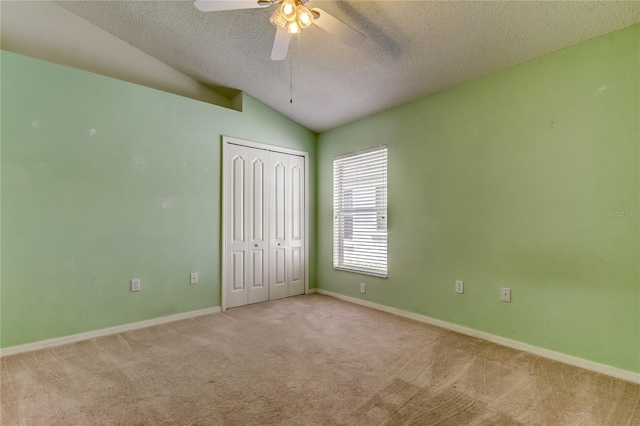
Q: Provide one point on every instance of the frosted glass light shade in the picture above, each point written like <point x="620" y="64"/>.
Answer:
<point x="303" y="16"/>
<point x="288" y="10"/>
<point x="278" y="20"/>
<point x="293" y="27"/>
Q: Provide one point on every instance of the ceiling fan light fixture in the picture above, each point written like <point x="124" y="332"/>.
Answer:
<point x="288" y="10"/>
<point x="293" y="27"/>
<point x="278" y="20"/>
<point x="303" y="16"/>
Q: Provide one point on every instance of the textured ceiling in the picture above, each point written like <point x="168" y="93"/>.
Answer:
<point x="413" y="48"/>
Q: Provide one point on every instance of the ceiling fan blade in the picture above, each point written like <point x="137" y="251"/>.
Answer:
<point x="216" y="5"/>
<point x="338" y="28"/>
<point x="280" y="45"/>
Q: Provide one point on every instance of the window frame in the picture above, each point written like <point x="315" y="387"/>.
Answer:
<point x="377" y="205"/>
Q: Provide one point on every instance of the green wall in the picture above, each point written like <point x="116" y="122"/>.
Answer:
<point x="104" y="181"/>
<point x="508" y="181"/>
<point x="517" y="179"/>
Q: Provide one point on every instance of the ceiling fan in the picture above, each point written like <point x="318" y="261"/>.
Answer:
<point x="291" y="17"/>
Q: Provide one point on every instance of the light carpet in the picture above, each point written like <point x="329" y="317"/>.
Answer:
<point x="308" y="360"/>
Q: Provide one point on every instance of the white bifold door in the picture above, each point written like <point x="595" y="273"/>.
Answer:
<point x="264" y="225"/>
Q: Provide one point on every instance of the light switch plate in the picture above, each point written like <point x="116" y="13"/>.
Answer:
<point x="135" y="284"/>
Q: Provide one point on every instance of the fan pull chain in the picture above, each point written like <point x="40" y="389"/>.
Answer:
<point x="291" y="67"/>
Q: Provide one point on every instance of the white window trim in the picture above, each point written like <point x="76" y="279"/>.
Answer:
<point x="338" y="244"/>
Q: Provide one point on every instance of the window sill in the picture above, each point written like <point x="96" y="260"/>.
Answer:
<point x="358" y="271"/>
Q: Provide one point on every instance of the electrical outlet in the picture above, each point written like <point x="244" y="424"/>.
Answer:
<point x="363" y="288"/>
<point x="135" y="284"/>
<point x="460" y="287"/>
<point x="194" y="278"/>
<point x="505" y="294"/>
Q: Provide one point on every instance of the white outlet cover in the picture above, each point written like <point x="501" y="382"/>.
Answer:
<point x="460" y="287"/>
<point x="194" y="278"/>
<point x="505" y="294"/>
<point x="363" y="288"/>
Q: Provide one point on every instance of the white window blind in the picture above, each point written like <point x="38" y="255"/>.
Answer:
<point x="360" y="212"/>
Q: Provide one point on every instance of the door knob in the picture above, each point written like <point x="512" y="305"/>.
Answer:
<point x="255" y="245"/>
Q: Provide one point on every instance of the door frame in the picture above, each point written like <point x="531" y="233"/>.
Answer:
<point x="226" y="141"/>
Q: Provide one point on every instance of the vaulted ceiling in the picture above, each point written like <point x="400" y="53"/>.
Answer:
<point x="412" y="49"/>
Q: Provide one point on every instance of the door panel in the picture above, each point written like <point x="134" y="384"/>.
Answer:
<point x="279" y="199"/>
<point x="258" y="190"/>
<point x="296" y="264"/>
<point x="238" y="198"/>
<point x="279" y="267"/>
<point x="296" y="204"/>
<point x="257" y="266"/>
<point x="238" y="270"/>
<point x="258" y="222"/>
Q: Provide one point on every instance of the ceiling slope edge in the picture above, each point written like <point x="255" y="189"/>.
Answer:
<point x="46" y="31"/>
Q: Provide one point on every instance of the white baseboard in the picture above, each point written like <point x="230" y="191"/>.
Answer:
<point x="13" y="350"/>
<point x="545" y="353"/>
<point x="311" y="290"/>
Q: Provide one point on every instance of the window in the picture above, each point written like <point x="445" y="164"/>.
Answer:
<point x="360" y="212"/>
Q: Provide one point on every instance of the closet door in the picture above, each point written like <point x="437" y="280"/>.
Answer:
<point x="237" y="243"/>
<point x="247" y="245"/>
<point x="279" y="216"/>
<point x="295" y="226"/>
<point x="264" y="227"/>
<point x="287" y="257"/>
